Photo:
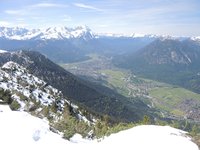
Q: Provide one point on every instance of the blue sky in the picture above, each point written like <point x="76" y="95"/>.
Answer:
<point x="169" y="17"/>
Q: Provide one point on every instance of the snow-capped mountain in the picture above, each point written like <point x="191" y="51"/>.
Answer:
<point x="18" y="33"/>
<point x="196" y="39"/>
<point x="46" y="34"/>
<point x="12" y="32"/>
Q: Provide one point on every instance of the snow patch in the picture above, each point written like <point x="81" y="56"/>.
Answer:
<point x="151" y="137"/>
<point x="197" y="38"/>
<point x="3" y="51"/>
<point x="12" y="66"/>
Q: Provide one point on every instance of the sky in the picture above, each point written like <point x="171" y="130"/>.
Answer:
<point x="161" y="17"/>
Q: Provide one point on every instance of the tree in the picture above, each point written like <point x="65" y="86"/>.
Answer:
<point x="146" y="120"/>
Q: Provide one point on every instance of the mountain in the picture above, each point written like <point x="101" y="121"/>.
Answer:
<point x="167" y="60"/>
<point x="77" y="90"/>
<point x="25" y="92"/>
<point x="58" y="43"/>
<point x="58" y="33"/>
<point x="63" y="45"/>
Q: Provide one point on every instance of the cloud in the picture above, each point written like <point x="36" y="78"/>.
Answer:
<point x="4" y="23"/>
<point x="47" y="5"/>
<point x="30" y="9"/>
<point x="81" y="5"/>
<point x="13" y="12"/>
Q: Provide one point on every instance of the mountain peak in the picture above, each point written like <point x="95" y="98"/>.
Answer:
<point x="57" y="33"/>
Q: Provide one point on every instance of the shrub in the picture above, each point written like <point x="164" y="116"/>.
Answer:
<point x="14" y="105"/>
<point x="69" y="133"/>
<point x="5" y="95"/>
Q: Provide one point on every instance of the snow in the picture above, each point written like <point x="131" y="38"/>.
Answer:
<point x="45" y="34"/>
<point x="20" y="130"/>
<point x="20" y="83"/>
<point x="195" y="38"/>
<point x="3" y="51"/>
<point x="81" y="117"/>
<point x="13" y="73"/>
<point x="57" y="33"/>
<point x="12" y="65"/>
<point x="151" y="137"/>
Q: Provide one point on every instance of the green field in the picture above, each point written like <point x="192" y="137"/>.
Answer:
<point x="169" y="98"/>
<point x="115" y="79"/>
<point x="164" y="96"/>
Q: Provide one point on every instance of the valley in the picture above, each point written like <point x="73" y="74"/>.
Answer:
<point x="172" y="102"/>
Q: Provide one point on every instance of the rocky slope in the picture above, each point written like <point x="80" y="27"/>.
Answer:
<point x="23" y="91"/>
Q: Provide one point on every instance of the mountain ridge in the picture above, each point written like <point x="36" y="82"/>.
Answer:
<point x="64" y="32"/>
<point x="74" y="88"/>
<point x="46" y="34"/>
<point x="66" y="45"/>
<point x="171" y="61"/>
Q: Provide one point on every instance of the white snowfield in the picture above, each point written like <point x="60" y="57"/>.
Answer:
<point x="21" y="131"/>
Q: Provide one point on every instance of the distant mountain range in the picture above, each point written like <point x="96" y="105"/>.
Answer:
<point x="63" y="45"/>
<point x="139" y="52"/>
<point x="57" y="33"/>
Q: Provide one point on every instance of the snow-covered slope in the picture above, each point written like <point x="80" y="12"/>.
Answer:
<point x="20" y="130"/>
<point x="46" y="34"/>
<point x="31" y="94"/>
<point x="16" y="79"/>
<point x="197" y="39"/>
<point x="151" y="137"/>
